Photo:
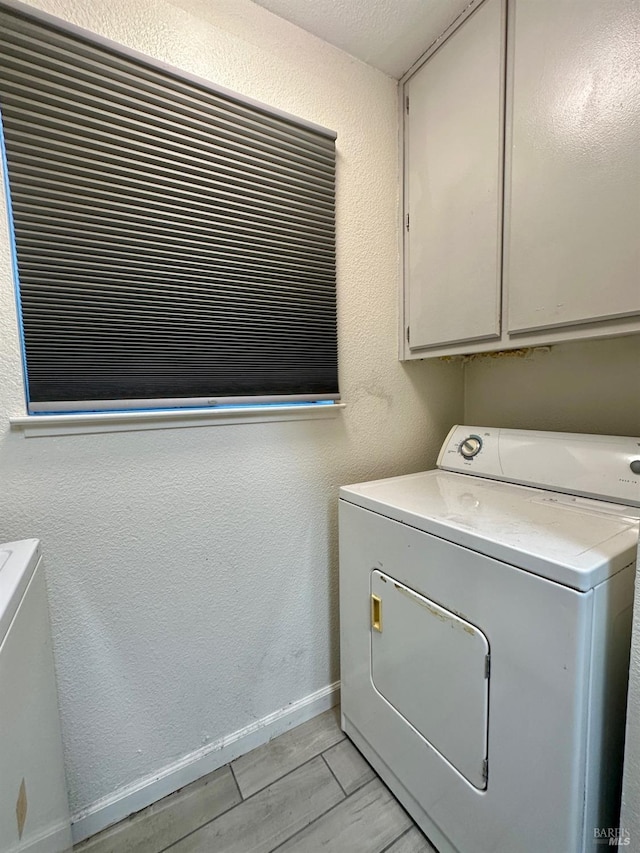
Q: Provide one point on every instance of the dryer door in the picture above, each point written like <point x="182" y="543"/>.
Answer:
<point x="433" y="668"/>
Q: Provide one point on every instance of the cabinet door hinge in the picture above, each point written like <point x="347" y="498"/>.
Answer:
<point x="487" y="666"/>
<point x="485" y="770"/>
<point x="406" y="102"/>
<point x="407" y="222"/>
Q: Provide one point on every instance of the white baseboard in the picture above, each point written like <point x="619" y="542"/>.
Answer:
<point x="132" y="798"/>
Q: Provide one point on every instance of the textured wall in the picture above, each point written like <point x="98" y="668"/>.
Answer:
<point x="579" y="387"/>
<point x="192" y="572"/>
<point x="630" y="817"/>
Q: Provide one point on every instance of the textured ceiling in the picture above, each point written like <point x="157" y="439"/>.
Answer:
<point x="388" y="34"/>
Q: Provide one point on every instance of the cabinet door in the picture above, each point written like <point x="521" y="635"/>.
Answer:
<point x="453" y="185"/>
<point x="573" y="214"/>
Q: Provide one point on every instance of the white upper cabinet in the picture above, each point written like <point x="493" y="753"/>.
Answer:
<point x="573" y="211"/>
<point x="570" y="234"/>
<point x="453" y="174"/>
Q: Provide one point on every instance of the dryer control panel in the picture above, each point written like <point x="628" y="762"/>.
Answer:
<point x="606" y="467"/>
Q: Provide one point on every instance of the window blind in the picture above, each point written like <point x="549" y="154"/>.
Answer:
<point x="175" y="243"/>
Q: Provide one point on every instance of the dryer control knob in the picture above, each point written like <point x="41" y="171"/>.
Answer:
<point x="471" y="446"/>
<point x="635" y="466"/>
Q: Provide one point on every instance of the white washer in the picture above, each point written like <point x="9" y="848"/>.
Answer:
<point x="34" y="813"/>
<point x="485" y="630"/>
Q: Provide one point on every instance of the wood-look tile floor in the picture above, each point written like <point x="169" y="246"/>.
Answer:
<point x="307" y="791"/>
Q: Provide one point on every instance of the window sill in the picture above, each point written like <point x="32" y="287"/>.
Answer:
<point x="35" y="426"/>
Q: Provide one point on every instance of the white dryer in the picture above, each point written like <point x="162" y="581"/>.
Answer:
<point x="34" y="812"/>
<point x="485" y="630"/>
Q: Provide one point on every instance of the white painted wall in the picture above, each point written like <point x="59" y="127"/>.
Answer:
<point x="192" y="572"/>
<point x="591" y="387"/>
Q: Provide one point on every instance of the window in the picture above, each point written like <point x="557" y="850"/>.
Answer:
<point x="174" y="242"/>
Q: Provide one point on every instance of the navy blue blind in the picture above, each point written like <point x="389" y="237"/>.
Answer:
<point x="173" y="242"/>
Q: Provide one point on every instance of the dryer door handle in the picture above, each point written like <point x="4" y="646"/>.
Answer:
<point x="376" y="613"/>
